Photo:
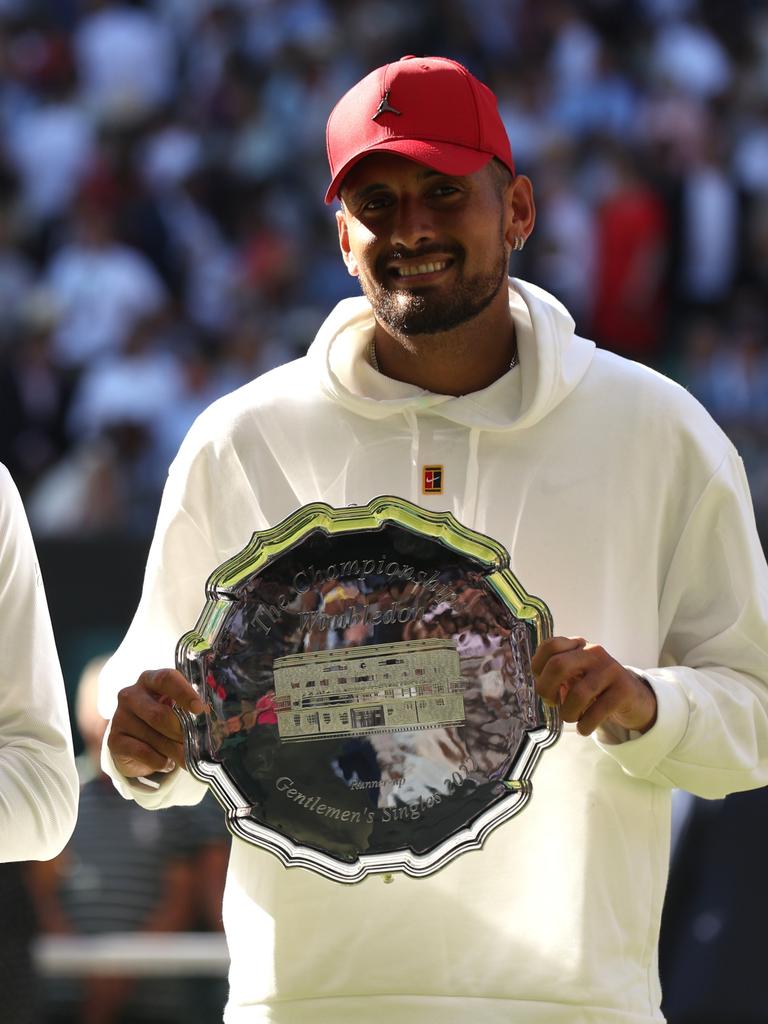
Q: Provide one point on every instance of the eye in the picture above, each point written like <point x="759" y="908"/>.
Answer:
<point x="376" y="203"/>
<point x="444" y="190"/>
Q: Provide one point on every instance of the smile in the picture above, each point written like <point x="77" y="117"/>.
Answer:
<point x="418" y="269"/>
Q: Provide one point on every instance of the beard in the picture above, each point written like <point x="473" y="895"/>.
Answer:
<point x="405" y="312"/>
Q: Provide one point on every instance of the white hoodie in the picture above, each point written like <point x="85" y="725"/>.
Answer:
<point x="623" y="507"/>
<point x="38" y="779"/>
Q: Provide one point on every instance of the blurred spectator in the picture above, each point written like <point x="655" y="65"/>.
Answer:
<point x="173" y="169"/>
<point x="750" y="154"/>
<point x="724" y="362"/>
<point x="273" y="27"/>
<point x="115" y="186"/>
<point x="132" y="385"/>
<point x="565" y="236"/>
<point x="102" y="486"/>
<point x="102" y="287"/>
<point x="51" y="142"/>
<point x="212" y="32"/>
<point x="523" y="97"/>
<point x="268" y="259"/>
<point x="34" y="395"/>
<point x="670" y="124"/>
<point x="708" y="223"/>
<point x="17" y="273"/>
<point x="727" y="369"/>
<point x="630" y="260"/>
<point x="687" y="53"/>
<point x="604" y="106"/>
<point x="126" y="59"/>
<point x="574" y="51"/>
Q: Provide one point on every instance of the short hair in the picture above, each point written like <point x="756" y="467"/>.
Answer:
<point x="502" y="176"/>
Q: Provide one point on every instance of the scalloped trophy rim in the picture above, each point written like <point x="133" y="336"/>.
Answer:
<point x="264" y="547"/>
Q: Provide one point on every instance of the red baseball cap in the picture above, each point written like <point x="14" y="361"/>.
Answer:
<point x="428" y="109"/>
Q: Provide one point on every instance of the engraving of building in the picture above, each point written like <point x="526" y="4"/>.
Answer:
<point x="414" y="684"/>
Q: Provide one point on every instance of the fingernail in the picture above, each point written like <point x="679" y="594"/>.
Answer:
<point x="169" y="766"/>
<point x="197" y="707"/>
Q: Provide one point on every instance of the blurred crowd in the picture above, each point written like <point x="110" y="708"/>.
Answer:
<point x="163" y="237"/>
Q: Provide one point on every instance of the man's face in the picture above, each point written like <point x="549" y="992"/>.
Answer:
<point x="429" y="248"/>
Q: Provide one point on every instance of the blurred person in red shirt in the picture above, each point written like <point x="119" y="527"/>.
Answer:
<point x="631" y="246"/>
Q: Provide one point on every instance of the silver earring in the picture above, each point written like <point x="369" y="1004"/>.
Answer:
<point x="519" y="243"/>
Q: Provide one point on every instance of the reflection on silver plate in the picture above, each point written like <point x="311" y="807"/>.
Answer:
<point x="370" y="704"/>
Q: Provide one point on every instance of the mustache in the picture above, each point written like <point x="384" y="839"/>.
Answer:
<point x="401" y="253"/>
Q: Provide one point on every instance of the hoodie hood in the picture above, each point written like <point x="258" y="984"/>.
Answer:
<point x="552" y="361"/>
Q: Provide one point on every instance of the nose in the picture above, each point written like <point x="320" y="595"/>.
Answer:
<point x="413" y="224"/>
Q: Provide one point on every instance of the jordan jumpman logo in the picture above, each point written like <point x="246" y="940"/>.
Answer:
<point x="385" y="107"/>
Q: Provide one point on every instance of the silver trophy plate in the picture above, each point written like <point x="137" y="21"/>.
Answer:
<point x="369" y="699"/>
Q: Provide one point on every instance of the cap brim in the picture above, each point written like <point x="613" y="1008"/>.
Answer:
<point x="444" y="157"/>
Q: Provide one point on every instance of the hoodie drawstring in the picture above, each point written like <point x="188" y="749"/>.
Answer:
<point x="467" y="515"/>
<point x="413" y="424"/>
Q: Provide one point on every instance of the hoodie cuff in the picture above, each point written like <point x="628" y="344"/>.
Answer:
<point x="146" y="792"/>
<point x="640" y="753"/>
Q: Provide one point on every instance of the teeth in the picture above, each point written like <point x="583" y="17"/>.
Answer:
<point x="422" y="268"/>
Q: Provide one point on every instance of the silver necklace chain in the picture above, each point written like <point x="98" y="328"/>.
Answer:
<point x="375" y="363"/>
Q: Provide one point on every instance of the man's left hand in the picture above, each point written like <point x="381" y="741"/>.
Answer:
<point x="590" y="687"/>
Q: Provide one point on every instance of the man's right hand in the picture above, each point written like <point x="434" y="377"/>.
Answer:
<point x="146" y="736"/>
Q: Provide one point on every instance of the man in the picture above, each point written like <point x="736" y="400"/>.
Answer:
<point x="622" y="506"/>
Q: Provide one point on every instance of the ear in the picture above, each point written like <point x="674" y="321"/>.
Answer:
<point x="346" y="251"/>
<point x="519" y="209"/>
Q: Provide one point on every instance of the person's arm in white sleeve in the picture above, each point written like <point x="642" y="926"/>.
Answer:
<point x="38" y="778"/>
<point x="138" y="684"/>
<point x="699" y="720"/>
<point x="711" y="733"/>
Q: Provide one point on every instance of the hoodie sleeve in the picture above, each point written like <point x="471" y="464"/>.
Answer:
<point x="38" y="779"/>
<point x="181" y="557"/>
<point x="711" y="733"/>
